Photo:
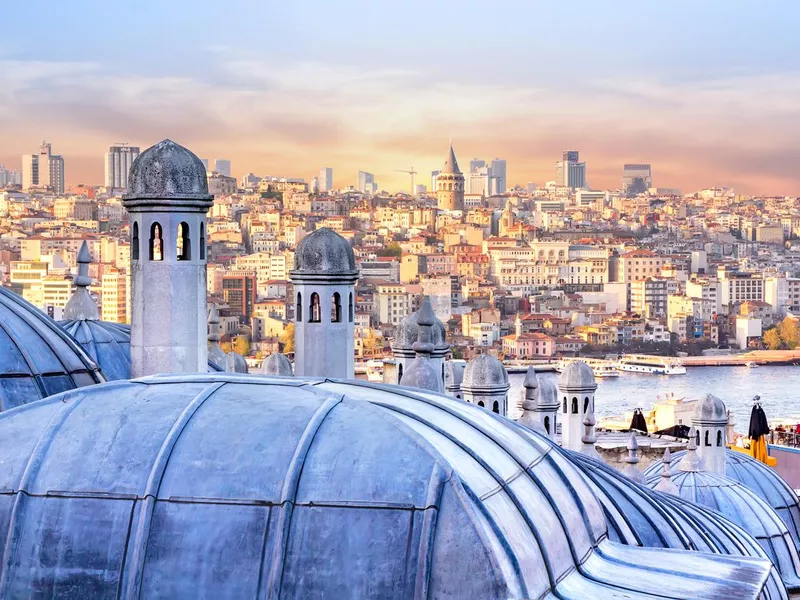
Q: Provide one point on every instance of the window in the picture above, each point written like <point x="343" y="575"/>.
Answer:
<point x="574" y="406"/>
<point x="350" y="308"/>
<point x="719" y="438"/>
<point x="299" y="316"/>
<point x="586" y="405"/>
<point x="184" y="243"/>
<point x="202" y="241"/>
<point x="480" y="403"/>
<point x="496" y="407"/>
<point x="547" y="425"/>
<point x="315" y="310"/>
<point x="135" y="242"/>
<point x="156" y="243"/>
<point x="708" y="442"/>
<point x="565" y="405"/>
<point x="399" y="372"/>
<point x="336" y="308"/>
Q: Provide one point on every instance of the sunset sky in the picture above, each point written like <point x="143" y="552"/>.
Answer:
<point x="708" y="91"/>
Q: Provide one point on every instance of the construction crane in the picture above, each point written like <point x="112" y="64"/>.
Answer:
<point x="412" y="172"/>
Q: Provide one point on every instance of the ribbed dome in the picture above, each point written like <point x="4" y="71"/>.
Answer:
<point x="277" y="364"/>
<point x="109" y="345"/>
<point x="638" y="516"/>
<point x="747" y="510"/>
<point x="755" y="476"/>
<point x="484" y="371"/>
<point x="239" y="486"/>
<point x="167" y="170"/>
<point x="37" y="357"/>
<point x="324" y="252"/>
<point x="577" y="375"/>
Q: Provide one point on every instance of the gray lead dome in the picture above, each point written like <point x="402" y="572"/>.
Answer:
<point x="324" y="252"/>
<point x="167" y="171"/>
<point x="236" y="486"/>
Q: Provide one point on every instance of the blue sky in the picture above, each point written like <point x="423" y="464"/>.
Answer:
<point x="707" y="90"/>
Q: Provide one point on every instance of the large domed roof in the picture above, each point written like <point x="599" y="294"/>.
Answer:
<point x="747" y="510"/>
<point x="755" y="476"/>
<point x="167" y="171"/>
<point x="109" y="345"/>
<point x="232" y="485"/>
<point x="37" y="357"/>
<point x="324" y="252"/>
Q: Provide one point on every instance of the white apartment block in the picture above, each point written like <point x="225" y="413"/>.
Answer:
<point x="393" y="303"/>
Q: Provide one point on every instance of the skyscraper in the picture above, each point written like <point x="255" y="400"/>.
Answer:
<point x="570" y="172"/>
<point x="222" y="166"/>
<point x="44" y="169"/>
<point x="497" y="178"/>
<point x="636" y="179"/>
<point x="325" y="179"/>
<point x="119" y="159"/>
<point x="366" y="183"/>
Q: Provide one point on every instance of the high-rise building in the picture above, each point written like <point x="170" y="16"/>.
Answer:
<point x="222" y="166"/>
<point x="497" y="179"/>
<point x="115" y="300"/>
<point x="325" y="179"/>
<point x="570" y="172"/>
<point x="434" y="175"/>
<point x="366" y="183"/>
<point x="44" y="169"/>
<point x="476" y="164"/>
<point x="486" y="179"/>
<point x="636" y="179"/>
<point x="239" y="291"/>
<point x="119" y="159"/>
<point x="9" y="177"/>
<point x="450" y="184"/>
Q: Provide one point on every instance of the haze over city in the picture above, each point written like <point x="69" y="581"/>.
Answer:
<point x="708" y="93"/>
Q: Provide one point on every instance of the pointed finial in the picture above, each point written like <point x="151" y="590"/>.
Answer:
<point x="421" y="372"/>
<point x="588" y="438"/>
<point x="425" y="320"/>
<point x="81" y="305"/>
<point x="665" y="484"/>
<point x="215" y="352"/>
<point x="531" y="385"/>
<point x="631" y="471"/>
<point x="691" y="462"/>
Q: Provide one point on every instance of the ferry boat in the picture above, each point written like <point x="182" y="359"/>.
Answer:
<point x="644" y="363"/>
<point x="600" y="368"/>
<point x="375" y="371"/>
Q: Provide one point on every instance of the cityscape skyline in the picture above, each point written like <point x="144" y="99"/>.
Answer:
<point x="675" y="94"/>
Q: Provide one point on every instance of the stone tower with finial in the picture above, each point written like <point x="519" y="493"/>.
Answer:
<point x="450" y="184"/>
<point x="576" y="388"/>
<point x="403" y="346"/>
<point x="631" y="470"/>
<point x="486" y="384"/>
<point x="324" y="278"/>
<point x="81" y="306"/>
<point x="710" y="421"/>
<point x="421" y="372"/>
<point x="167" y="201"/>
<point x="540" y="404"/>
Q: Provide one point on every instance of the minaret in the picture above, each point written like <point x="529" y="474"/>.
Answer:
<point x="631" y="471"/>
<point x="576" y="387"/>
<point x="711" y="419"/>
<point x="324" y="278"/>
<point x="81" y="306"/>
<point x="450" y="184"/>
<point x="167" y="201"/>
<point x="665" y="484"/>
<point x="486" y="384"/>
<point x="407" y="335"/>
<point x="421" y="372"/>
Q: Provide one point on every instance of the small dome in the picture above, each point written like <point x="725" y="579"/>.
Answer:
<point x="167" y="170"/>
<point x="749" y="512"/>
<point x="640" y="517"/>
<point x="711" y="410"/>
<point x="577" y="375"/>
<point x="484" y="372"/>
<point x="547" y="394"/>
<point x="408" y="332"/>
<point x="235" y="363"/>
<point x="755" y="476"/>
<point x="109" y="345"/>
<point x="242" y="477"/>
<point x="37" y="357"/>
<point x="324" y="252"/>
<point x="277" y="364"/>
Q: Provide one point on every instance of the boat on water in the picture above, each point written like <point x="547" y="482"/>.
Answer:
<point x="656" y="365"/>
<point x="751" y="365"/>
<point x="600" y="368"/>
<point x="375" y="371"/>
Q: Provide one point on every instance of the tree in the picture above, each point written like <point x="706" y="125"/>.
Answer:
<point x="789" y="333"/>
<point x="392" y="249"/>
<point x="373" y="344"/>
<point x="287" y="339"/>
<point x="241" y="345"/>
<point x="772" y="339"/>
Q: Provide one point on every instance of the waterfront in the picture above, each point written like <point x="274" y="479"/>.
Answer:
<point x="779" y="388"/>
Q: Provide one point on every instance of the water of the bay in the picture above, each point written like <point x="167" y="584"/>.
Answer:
<point x="779" y="388"/>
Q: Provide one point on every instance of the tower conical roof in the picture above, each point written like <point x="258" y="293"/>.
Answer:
<point x="450" y="163"/>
